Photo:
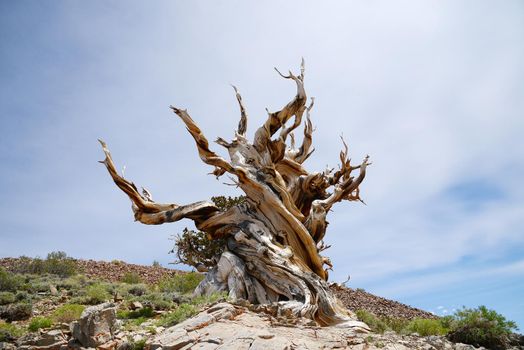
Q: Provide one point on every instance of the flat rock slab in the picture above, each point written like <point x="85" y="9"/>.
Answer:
<point x="232" y="327"/>
<point x="225" y="326"/>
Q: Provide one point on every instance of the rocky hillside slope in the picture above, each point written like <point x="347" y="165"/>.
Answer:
<point x="361" y="300"/>
<point x="103" y="308"/>
<point x="112" y="271"/>
<point x="353" y="299"/>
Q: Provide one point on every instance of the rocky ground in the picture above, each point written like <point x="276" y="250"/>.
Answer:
<point x="226" y="326"/>
<point x="214" y="325"/>
<point x="222" y="326"/>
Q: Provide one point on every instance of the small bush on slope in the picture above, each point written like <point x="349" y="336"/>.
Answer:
<point x="194" y="248"/>
<point x="9" y="282"/>
<point x="183" y="283"/>
<point x="68" y="313"/>
<point x="57" y="263"/>
<point x="181" y="313"/>
<point x="9" y="332"/>
<point x="376" y="324"/>
<point x="481" y="327"/>
<point x="96" y="294"/>
<point x="137" y="345"/>
<point x="39" y="322"/>
<point x="425" y="327"/>
<point x="23" y="296"/>
<point x="186" y="310"/>
<point x="16" y="312"/>
<point x="478" y="327"/>
<point x="7" y="298"/>
<point x="145" y="312"/>
<point x="156" y="300"/>
<point x="131" y="278"/>
<point x="137" y="289"/>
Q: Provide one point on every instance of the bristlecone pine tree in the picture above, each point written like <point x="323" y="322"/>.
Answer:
<point x="275" y="238"/>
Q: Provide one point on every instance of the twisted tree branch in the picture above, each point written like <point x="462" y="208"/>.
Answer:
<point x="207" y="156"/>
<point x="148" y="212"/>
<point x="242" y="124"/>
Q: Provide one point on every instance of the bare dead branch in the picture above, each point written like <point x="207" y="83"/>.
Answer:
<point x="277" y="119"/>
<point x="207" y="156"/>
<point x="151" y="213"/>
<point x="242" y="124"/>
<point x="348" y="188"/>
<point x="304" y="150"/>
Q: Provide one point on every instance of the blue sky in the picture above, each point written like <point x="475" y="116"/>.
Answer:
<point x="433" y="91"/>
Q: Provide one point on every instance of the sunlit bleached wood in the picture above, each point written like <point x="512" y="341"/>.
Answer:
<point x="274" y="239"/>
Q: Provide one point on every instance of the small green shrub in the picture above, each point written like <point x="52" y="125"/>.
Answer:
<point x="397" y="325"/>
<point x="68" y="313"/>
<point x="194" y="248"/>
<point x="16" y="312"/>
<point x="131" y="278"/>
<point x="9" y="331"/>
<point x="156" y="300"/>
<point x="481" y="327"/>
<point x="37" y="323"/>
<point x="96" y="294"/>
<point x="23" y="295"/>
<point x="114" y="287"/>
<point x="138" y="345"/>
<point x="137" y="289"/>
<point x="60" y="264"/>
<point x="425" y="327"/>
<point x="421" y="326"/>
<point x="181" y="283"/>
<point x="209" y="299"/>
<point x="7" y="298"/>
<point x="9" y="282"/>
<point x="57" y="263"/>
<point x="73" y="285"/>
<point x="156" y="264"/>
<point x="145" y="312"/>
<point x="26" y="265"/>
<point x="375" y="323"/>
<point x="447" y="322"/>
<point x="40" y="286"/>
<point x="181" y="313"/>
<point x="134" y="322"/>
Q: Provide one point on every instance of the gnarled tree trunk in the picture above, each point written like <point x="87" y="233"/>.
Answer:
<point x="274" y="239"/>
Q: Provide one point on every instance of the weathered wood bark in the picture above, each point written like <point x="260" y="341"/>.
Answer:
<point x="275" y="238"/>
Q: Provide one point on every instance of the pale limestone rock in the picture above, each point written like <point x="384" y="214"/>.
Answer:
<point x="96" y="325"/>
<point x="7" y="346"/>
<point x="53" y="290"/>
<point x="51" y="340"/>
<point x="227" y="326"/>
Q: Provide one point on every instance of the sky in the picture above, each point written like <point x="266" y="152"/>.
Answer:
<point x="433" y="91"/>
